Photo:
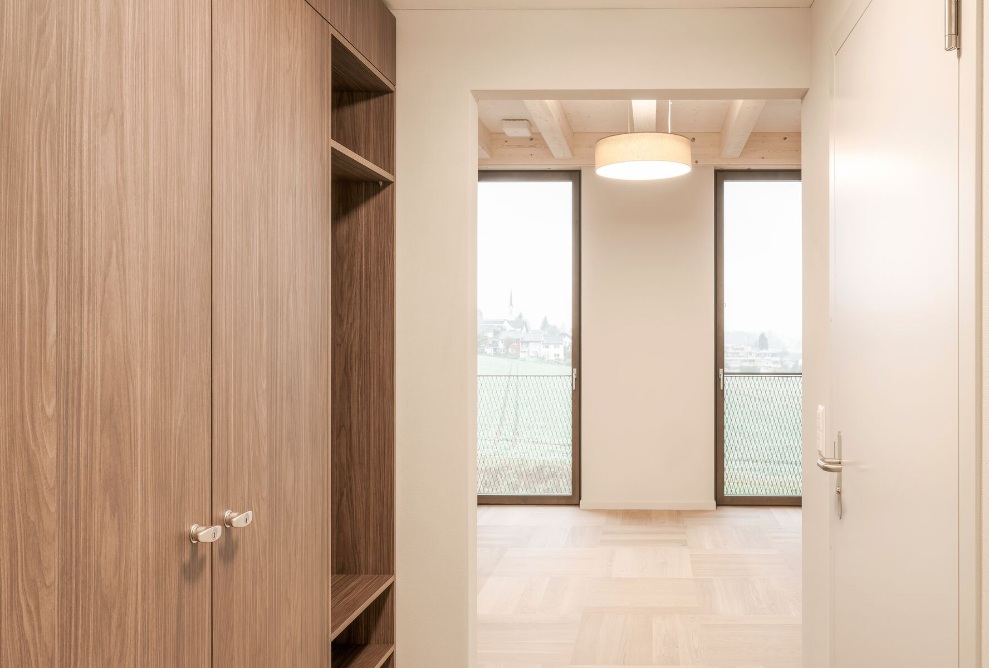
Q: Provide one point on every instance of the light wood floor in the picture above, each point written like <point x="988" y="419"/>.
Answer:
<point x="566" y="587"/>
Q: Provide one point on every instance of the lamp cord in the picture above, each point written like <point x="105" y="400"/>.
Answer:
<point x="669" y="118"/>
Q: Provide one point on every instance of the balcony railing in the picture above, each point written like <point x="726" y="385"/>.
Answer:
<point x="763" y="434"/>
<point x="524" y="435"/>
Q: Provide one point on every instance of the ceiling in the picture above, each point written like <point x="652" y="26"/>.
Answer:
<point x="613" y="115"/>
<point x="591" y="4"/>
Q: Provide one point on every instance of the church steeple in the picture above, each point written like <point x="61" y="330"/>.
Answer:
<point x="511" y="304"/>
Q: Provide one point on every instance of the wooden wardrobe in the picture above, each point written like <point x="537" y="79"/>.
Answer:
<point x="197" y="328"/>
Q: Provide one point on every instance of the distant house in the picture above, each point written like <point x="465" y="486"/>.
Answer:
<point x="511" y="337"/>
<point x="540" y="345"/>
<point x="746" y="359"/>
<point x="555" y="347"/>
<point x="532" y="345"/>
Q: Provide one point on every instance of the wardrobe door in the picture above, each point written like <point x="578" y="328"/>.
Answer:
<point x="271" y="332"/>
<point x="32" y="205"/>
<point x="134" y="339"/>
<point x="104" y="334"/>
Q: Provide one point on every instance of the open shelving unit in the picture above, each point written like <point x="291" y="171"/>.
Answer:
<point x="362" y="118"/>
<point x="352" y="594"/>
<point x="362" y="656"/>
<point x="349" y="166"/>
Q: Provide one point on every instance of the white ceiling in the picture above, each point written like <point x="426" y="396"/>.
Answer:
<point x="612" y="115"/>
<point x="591" y="4"/>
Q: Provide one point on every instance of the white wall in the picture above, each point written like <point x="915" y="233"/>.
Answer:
<point x="442" y="57"/>
<point x="647" y="259"/>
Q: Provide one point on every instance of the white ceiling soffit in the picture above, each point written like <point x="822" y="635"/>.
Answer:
<point x="594" y="4"/>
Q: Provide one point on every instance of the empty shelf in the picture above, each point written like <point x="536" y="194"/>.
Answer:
<point x="348" y="166"/>
<point x="361" y="656"/>
<point x="352" y="71"/>
<point x="351" y="596"/>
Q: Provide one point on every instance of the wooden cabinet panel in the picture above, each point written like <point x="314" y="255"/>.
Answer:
<point x="369" y="26"/>
<point x="31" y="208"/>
<point x="133" y="336"/>
<point x="271" y="332"/>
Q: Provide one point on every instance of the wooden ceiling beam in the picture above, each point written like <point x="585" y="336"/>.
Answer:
<point x="551" y="121"/>
<point x="763" y="150"/>
<point x="483" y="141"/>
<point x="739" y="120"/>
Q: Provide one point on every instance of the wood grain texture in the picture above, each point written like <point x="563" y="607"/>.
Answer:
<point x="375" y="625"/>
<point x="349" y="166"/>
<point x="352" y="594"/>
<point x="601" y="589"/>
<point x="321" y="6"/>
<point x="365" y="123"/>
<point x="361" y="656"/>
<point x="271" y="289"/>
<point x="370" y="27"/>
<point x="32" y="207"/>
<point x="353" y="72"/>
<point x="363" y="378"/>
<point x="133" y="363"/>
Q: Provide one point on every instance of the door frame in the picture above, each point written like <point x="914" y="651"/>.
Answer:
<point x="720" y="177"/>
<point x="573" y="176"/>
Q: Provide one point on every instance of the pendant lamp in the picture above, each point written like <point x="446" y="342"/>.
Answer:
<point x="644" y="156"/>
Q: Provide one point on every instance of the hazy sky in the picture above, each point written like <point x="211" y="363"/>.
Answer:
<point x="763" y="257"/>
<point x="524" y="245"/>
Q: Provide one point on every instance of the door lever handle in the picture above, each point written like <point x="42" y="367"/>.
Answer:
<point x="201" y="534"/>
<point x="236" y="520"/>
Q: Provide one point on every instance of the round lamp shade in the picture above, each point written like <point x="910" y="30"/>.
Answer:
<point x="642" y="156"/>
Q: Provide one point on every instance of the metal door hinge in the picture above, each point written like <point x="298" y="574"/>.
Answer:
<point x="951" y="32"/>
<point x="573" y="381"/>
<point x="721" y="379"/>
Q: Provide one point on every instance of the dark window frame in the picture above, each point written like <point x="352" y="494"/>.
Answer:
<point x="573" y="176"/>
<point x="721" y="177"/>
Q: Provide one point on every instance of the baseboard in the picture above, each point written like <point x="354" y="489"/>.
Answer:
<point x="639" y="505"/>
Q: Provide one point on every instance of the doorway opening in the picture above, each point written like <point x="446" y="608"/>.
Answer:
<point x="647" y="571"/>
<point x="758" y="338"/>
<point x="528" y="337"/>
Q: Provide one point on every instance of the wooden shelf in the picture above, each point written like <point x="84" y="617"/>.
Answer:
<point x="353" y="72"/>
<point x="351" y="596"/>
<point x="348" y="166"/>
<point x="361" y="656"/>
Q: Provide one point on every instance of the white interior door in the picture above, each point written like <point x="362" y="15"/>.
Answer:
<point x="894" y="339"/>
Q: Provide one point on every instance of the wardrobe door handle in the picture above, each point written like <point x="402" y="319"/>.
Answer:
<point x="238" y="520"/>
<point x="201" y="534"/>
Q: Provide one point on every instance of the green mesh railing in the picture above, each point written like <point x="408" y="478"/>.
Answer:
<point x="763" y="434"/>
<point x="524" y="435"/>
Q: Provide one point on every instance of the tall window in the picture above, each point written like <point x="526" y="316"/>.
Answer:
<point x="760" y="344"/>
<point x="527" y="337"/>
